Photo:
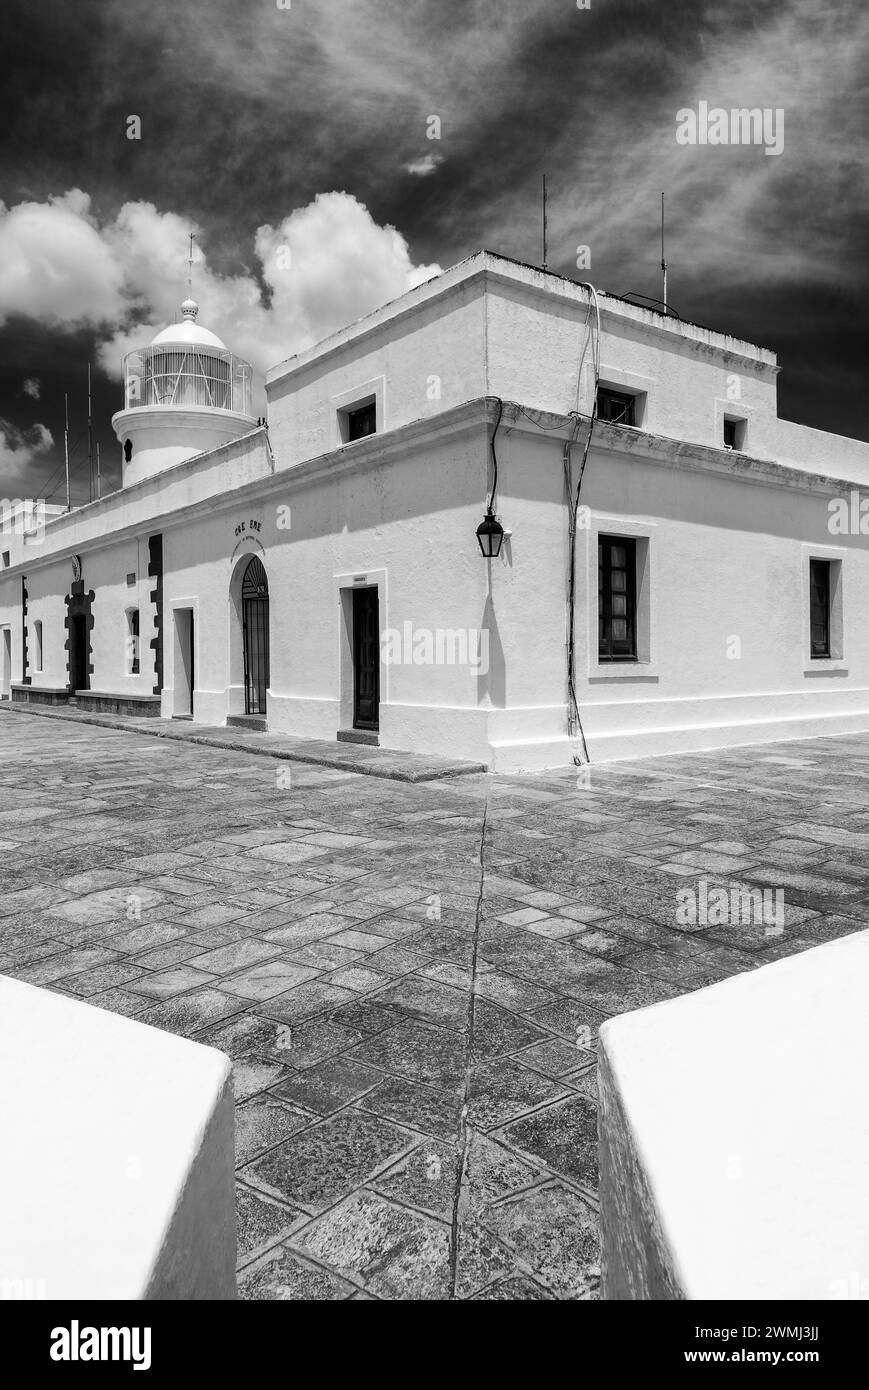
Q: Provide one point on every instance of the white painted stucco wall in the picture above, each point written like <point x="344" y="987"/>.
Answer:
<point x="418" y="364"/>
<point x="162" y="436"/>
<point x="734" y="1137"/>
<point x="117" y="1161"/>
<point x="404" y="509"/>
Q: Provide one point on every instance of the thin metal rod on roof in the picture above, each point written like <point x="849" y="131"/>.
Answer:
<point x="663" y="257"/>
<point x="90" y="441"/>
<point x="66" y="449"/>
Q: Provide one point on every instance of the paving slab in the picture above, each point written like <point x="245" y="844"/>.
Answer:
<point x="346" y="757"/>
<point x="409" y="969"/>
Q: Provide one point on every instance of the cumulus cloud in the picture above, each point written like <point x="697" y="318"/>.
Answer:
<point x="20" y="449"/>
<point x="323" y="266"/>
<point x="54" y="264"/>
<point x="31" y="386"/>
<point x="426" y="165"/>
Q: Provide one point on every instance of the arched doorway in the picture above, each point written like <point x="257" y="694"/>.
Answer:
<point x="255" y="629"/>
<point x="79" y="624"/>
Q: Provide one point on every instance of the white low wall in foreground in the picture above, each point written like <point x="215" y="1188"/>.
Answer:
<point x="734" y="1136"/>
<point x="117" y="1156"/>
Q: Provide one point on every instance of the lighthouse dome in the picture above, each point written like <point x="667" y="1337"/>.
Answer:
<point x="188" y="333"/>
<point x="186" y="393"/>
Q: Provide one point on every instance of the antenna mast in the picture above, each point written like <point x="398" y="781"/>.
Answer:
<point x="544" y="221"/>
<point x="190" y="269"/>
<point x="90" y="442"/>
<point x="663" y="258"/>
<point x="99" y="488"/>
<point x="66" y="451"/>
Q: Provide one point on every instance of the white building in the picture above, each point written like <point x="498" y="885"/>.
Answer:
<point x="323" y="575"/>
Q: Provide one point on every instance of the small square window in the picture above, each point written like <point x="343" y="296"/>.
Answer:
<point x="6" y="559"/>
<point x="616" y="407"/>
<point x="734" y="433"/>
<point x="362" y="421"/>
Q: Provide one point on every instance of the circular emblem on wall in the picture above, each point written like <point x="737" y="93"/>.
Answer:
<point x="76" y="568"/>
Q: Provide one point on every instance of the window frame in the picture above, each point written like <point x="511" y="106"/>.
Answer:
<point x="835" y="662"/>
<point x="821" y="565"/>
<point x="38" y="655"/>
<point x="739" y="426"/>
<point x="629" y="397"/>
<point x="365" y="408"/>
<point x="644" y="669"/>
<point x="606" y="543"/>
<point x="362" y="394"/>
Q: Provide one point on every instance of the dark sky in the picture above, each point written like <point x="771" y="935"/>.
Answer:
<point x="250" y="114"/>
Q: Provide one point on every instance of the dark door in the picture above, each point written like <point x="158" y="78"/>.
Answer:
<point x="255" y="621"/>
<point x="366" y="659"/>
<point x="78" y="653"/>
<point x="185" y="676"/>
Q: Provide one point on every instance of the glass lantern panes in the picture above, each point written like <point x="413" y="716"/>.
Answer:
<point x="187" y="376"/>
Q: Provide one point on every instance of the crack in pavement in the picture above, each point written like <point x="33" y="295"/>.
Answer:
<point x="464" y="1128"/>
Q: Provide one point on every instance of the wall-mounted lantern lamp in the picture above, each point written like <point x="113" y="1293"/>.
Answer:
<point x="490" y="534"/>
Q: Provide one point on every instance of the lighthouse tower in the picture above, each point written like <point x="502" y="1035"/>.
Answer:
<point x="185" y="393"/>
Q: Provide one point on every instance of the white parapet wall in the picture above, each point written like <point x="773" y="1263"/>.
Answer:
<point x="116" y="1166"/>
<point x="734" y="1136"/>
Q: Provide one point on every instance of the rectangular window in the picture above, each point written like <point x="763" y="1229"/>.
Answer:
<point x="132" y="641"/>
<point x="819" y="608"/>
<point x="37" y="645"/>
<point x="6" y="559"/>
<point x="617" y="598"/>
<point x="734" y="433"/>
<point x="362" y="421"/>
<point x="616" y="407"/>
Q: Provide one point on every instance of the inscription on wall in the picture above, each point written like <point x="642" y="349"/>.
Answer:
<point x="247" y="533"/>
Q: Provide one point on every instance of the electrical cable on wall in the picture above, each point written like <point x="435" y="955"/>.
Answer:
<point x="490" y="505"/>
<point x="574" y="719"/>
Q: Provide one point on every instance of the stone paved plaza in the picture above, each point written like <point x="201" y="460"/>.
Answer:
<point x="409" y="977"/>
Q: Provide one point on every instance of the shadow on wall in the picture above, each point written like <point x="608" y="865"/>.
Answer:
<point x="492" y="675"/>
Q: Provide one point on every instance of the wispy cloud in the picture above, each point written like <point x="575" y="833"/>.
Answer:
<point x="734" y="216"/>
<point x="421" y="167"/>
<point x="21" y="449"/>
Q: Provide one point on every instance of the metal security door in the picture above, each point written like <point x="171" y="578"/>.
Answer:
<point x="366" y="659"/>
<point x="255" y="621"/>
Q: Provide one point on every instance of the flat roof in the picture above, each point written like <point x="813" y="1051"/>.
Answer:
<point x="547" y="282"/>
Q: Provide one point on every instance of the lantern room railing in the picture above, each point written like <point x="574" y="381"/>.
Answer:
<point x="179" y="376"/>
